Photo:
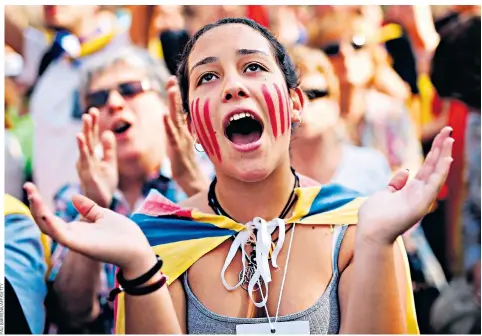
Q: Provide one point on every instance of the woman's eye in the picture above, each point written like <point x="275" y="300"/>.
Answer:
<point x="254" y="67"/>
<point x="206" y="78"/>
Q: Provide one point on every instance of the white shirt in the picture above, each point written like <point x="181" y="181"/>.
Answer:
<point x="362" y="169"/>
<point x="55" y="111"/>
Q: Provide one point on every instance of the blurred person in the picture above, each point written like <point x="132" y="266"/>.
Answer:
<point x="451" y="13"/>
<point x="456" y="76"/>
<point x="375" y="119"/>
<point x="25" y="270"/>
<point x="416" y="23"/>
<point x="318" y="149"/>
<point x="286" y="24"/>
<point x="359" y="168"/>
<point x="372" y="118"/>
<point x="74" y="36"/>
<point x="134" y="118"/>
<point x="165" y="29"/>
<point x="14" y="157"/>
<point x="160" y="29"/>
<point x="235" y="86"/>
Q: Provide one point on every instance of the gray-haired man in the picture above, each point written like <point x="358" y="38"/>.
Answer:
<point x="132" y="140"/>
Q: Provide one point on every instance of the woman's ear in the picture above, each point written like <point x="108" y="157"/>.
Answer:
<point x="298" y="104"/>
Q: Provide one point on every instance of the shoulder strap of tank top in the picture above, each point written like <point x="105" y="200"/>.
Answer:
<point x="338" y="234"/>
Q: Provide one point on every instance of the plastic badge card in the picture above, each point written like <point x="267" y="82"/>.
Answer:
<point x="284" y="328"/>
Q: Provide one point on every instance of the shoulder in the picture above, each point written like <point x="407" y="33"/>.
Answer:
<point x="198" y="201"/>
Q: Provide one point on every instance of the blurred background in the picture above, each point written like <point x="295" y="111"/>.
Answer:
<point x="389" y="78"/>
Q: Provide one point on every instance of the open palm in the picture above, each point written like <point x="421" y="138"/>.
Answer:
<point x="98" y="175"/>
<point x="392" y="211"/>
<point x="102" y="234"/>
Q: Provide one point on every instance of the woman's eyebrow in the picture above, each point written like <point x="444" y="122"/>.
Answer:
<point x="207" y="60"/>
<point x="243" y="52"/>
<point x="240" y="52"/>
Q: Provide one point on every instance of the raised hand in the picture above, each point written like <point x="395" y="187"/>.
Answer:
<point x="102" y="234"/>
<point x="389" y="213"/>
<point x="98" y="175"/>
<point x="185" y="169"/>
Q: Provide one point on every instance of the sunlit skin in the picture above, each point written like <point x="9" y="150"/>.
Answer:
<point x="247" y="84"/>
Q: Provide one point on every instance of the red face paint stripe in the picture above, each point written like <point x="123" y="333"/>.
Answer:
<point x="210" y="128"/>
<point x="272" y="114"/>
<point x="281" y="108"/>
<point x="203" y="136"/>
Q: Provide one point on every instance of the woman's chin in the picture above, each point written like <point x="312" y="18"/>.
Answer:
<point x="251" y="173"/>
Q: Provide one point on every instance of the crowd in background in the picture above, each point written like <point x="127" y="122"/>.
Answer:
<point x="380" y="81"/>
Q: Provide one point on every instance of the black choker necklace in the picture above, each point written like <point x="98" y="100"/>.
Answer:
<point x="218" y="209"/>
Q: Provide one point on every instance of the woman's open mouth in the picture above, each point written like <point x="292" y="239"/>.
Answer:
<point x="244" y="130"/>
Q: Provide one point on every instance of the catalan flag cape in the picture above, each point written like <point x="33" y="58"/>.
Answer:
<point x="182" y="236"/>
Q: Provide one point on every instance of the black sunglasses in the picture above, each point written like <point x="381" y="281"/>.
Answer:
<point x="127" y="90"/>
<point x="316" y="94"/>
<point x="333" y="49"/>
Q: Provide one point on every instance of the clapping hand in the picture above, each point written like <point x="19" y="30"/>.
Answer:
<point x="390" y="212"/>
<point x="184" y="165"/>
<point x="98" y="172"/>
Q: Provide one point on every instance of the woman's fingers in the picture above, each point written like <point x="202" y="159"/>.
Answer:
<point x="46" y="221"/>
<point x="433" y="156"/>
<point x="428" y="165"/>
<point x="399" y="180"/>
<point x="87" y="208"/>
<point x="438" y="176"/>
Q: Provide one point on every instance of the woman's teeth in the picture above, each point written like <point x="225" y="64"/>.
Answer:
<point x="241" y="115"/>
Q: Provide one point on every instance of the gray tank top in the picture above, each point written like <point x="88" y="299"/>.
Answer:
<point x="323" y="315"/>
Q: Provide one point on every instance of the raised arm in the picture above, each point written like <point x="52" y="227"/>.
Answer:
<point x="374" y="287"/>
<point x="106" y="236"/>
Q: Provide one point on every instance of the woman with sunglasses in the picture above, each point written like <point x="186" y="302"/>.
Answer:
<point x="318" y="147"/>
<point x="233" y="72"/>
<point x="375" y="115"/>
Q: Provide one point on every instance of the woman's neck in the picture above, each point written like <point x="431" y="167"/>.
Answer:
<point x="317" y="158"/>
<point x="266" y="199"/>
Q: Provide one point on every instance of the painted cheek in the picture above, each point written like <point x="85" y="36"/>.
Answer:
<point x="272" y="114"/>
<point x="198" y="125"/>
<point x="212" y="135"/>
<point x="281" y="108"/>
